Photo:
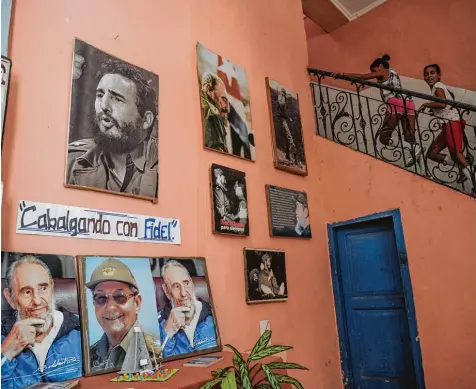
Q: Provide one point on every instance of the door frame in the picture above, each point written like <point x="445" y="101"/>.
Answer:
<point x="395" y="217"/>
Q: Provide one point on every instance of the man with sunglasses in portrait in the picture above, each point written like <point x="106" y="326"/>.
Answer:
<point x="40" y="342"/>
<point x="117" y="303"/>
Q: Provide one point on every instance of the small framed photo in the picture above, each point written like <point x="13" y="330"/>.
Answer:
<point x="265" y="275"/>
<point x="116" y="297"/>
<point x="286" y="129"/>
<point x="113" y="126"/>
<point x="39" y="291"/>
<point x="6" y="71"/>
<point x="229" y="201"/>
<point x="288" y="212"/>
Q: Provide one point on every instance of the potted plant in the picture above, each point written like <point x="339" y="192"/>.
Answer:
<point x="243" y="374"/>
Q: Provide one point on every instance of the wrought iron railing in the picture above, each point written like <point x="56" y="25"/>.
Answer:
<point x="362" y="123"/>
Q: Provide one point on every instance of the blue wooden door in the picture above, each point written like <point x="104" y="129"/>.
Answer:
<point x="375" y="315"/>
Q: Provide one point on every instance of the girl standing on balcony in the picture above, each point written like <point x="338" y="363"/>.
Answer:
<point x="453" y="124"/>
<point x="398" y="110"/>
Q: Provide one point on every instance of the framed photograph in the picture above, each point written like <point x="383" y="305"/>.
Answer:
<point x="116" y="296"/>
<point x="6" y="71"/>
<point x="229" y="201"/>
<point x="286" y="129"/>
<point x="113" y="126"/>
<point x="288" y="212"/>
<point x="225" y="103"/>
<point x="41" y="330"/>
<point x="187" y="318"/>
<point x="265" y="276"/>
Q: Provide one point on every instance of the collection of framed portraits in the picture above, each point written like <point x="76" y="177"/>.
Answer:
<point x="93" y="305"/>
<point x="227" y="129"/>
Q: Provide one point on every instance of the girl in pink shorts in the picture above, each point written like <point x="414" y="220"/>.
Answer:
<point x="398" y="110"/>
<point x="452" y="124"/>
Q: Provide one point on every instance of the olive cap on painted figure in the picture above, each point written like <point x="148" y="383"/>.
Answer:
<point x="111" y="269"/>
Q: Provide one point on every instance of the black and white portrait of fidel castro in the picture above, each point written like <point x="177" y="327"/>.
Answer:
<point x="118" y="119"/>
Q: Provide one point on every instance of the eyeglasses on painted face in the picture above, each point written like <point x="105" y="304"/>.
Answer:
<point x="120" y="298"/>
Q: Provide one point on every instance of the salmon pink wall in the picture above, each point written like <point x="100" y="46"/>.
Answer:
<point x="415" y="33"/>
<point x="265" y="39"/>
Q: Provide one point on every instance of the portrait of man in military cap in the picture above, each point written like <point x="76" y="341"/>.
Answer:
<point x="113" y="127"/>
<point x="115" y="290"/>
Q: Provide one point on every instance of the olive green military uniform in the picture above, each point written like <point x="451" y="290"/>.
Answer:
<point x="103" y="358"/>
<point x="89" y="166"/>
<point x="215" y="131"/>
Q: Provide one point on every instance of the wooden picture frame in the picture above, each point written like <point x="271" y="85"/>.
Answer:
<point x="5" y="80"/>
<point x="104" y="134"/>
<point x="288" y="213"/>
<point x="265" y="276"/>
<point x="230" y="133"/>
<point x="108" y="272"/>
<point x="200" y="291"/>
<point x="201" y="288"/>
<point x="286" y="129"/>
<point x="229" y="203"/>
<point x="48" y="282"/>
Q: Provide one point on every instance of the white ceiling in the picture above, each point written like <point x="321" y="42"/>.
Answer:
<point x="355" y="8"/>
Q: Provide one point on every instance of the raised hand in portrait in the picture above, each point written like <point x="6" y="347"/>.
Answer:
<point x="22" y="335"/>
<point x="175" y="321"/>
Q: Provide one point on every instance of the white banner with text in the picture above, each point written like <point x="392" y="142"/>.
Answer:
<point x="35" y="218"/>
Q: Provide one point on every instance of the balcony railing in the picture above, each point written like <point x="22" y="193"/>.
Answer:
<point x="363" y="124"/>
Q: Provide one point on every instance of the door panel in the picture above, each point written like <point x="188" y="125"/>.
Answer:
<point x="374" y="305"/>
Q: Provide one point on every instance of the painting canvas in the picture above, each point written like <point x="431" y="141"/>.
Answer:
<point x="229" y="201"/>
<point x="6" y="70"/>
<point x="286" y="128"/>
<point x="225" y="105"/>
<point x="188" y="324"/>
<point x="113" y="125"/>
<point x="288" y="213"/>
<point x="116" y="296"/>
<point x="41" y="331"/>
<point x="265" y="275"/>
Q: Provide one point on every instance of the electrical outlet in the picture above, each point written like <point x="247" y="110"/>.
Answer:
<point x="263" y="326"/>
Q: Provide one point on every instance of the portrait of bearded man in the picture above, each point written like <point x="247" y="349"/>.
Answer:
<point x="120" y="153"/>
<point x="41" y="341"/>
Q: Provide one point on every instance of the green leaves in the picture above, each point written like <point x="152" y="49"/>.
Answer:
<point x="266" y="352"/>
<point x="236" y="362"/>
<point x="264" y="386"/>
<point x="261" y="351"/>
<point x="211" y="384"/>
<point x="260" y="344"/>
<point x="243" y="369"/>
<point x="229" y="381"/>
<point x="271" y="377"/>
<point x="245" y="378"/>
<point x="220" y="373"/>
<point x="284" y="379"/>
<point x="237" y="353"/>
<point x="285" y="366"/>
